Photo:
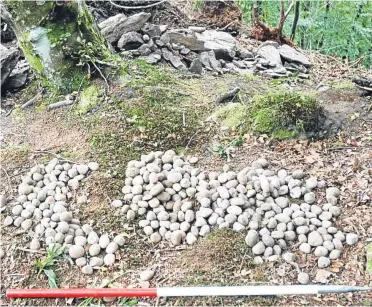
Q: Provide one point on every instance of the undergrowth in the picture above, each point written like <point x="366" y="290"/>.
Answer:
<point x="284" y="114"/>
<point x="46" y="265"/>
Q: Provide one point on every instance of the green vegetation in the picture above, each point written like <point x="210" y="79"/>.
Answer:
<point x="14" y="155"/>
<point x="89" y="98"/>
<point x="337" y="28"/>
<point x="284" y="114"/>
<point x="226" y="149"/>
<point x="46" y="265"/>
<point x="156" y="118"/>
<point x="233" y="115"/>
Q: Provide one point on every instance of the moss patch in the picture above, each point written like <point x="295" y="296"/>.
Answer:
<point x="233" y="115"/>
<point x="14" y="155"/>
<point x="284" y="114"/>
<point x="89" y="98"/>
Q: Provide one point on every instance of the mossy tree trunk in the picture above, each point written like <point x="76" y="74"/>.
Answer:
<point x="59" y="39"/>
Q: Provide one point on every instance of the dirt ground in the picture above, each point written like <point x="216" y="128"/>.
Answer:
<point x="345" y="160"/>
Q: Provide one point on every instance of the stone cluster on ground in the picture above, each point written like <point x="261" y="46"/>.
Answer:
<point x="175" y="201"/>
<point x="14" y="72"/>
<point x="197" y="49"/>
<point x="44" y="209"/>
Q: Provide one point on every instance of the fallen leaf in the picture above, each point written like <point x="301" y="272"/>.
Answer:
<point x="322" y="276"/>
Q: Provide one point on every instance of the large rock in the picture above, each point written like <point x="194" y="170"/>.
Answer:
<point x="130" y="40"/>
<point x="151" y="30"/>
<point x="185" y="38"/>
<point x="18" y="76"/>
<point x="196" y="66"/>
<point x="270" y="53"/>
<point x="222" y="43"/>
<point x="114" y="27"/>
<point x="9" y="58"/>
<point x="292" y="55"/>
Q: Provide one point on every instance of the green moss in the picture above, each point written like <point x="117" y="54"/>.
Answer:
<point x="144" y="74"/>
<point x="233" y="115"/>
<point x="59" y="33"/>
<point x="30" y="13"/>
<point x="89" y="98"/>
<point x="284" y="114"/>
<point x="30" y="55"/>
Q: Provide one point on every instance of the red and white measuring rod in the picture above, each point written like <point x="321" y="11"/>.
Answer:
<point x="182" y="291"/>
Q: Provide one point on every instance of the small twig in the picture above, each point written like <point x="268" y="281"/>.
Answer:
<point x="104" y="78"/>
<point x="347" y="147"/>
<point x="228" y="25"/>
<point x="105" y="63"/>
<point x="188" y="143"/>
<point x="31" y="101"/>
<point x="30" y="250"/>
<point x="9" y="112"/>
<point x="183" y="119"/>
<point x="136" y="7"/>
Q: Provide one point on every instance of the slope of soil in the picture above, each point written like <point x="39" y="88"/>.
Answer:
<point x="126" y="124"/>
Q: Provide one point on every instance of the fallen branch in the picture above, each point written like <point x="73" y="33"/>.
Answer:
<point x="59" y="104"/>
<point x="31" y="101"/>
<point x="230" y="94"/>
<point x="136" y="7"/>
<point x="30" y="250"/>
<point x="348" y="147"/>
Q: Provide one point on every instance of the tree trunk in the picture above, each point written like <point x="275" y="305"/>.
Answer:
<point x="295" y="20"/>
<point x="58" y="38"/>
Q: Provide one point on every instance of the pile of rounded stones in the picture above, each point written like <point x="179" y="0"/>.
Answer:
<point x="178" y="202"/>
<point x="44" y="208"/>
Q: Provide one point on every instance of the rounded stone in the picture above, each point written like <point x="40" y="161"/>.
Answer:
<point x="315" y="239"/>
<point x="76" y="251"/>
<point x="104" y="241"/>
<point x="303" y="278"/>
<point x="323" y="262"/>
<point x="87" y="270"/>
<point x="112" y="247"/>
<point x="305" y="248"/>
<point x="334" y="254"/>
<point x="109" y="259"/>
<point x="351" y="238"/>
<point x="147" y="275"/>
<point x="119" y="240"/>
<point x="155" y="237"/>
<point x="259" y="248"/>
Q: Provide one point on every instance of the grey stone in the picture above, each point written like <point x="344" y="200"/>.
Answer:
<point x="252" y="238"/>
<point x="303" y="278"/>
<point x="323" y="262"/>
<point x="259" y="248"/>
<point x="315" y="239"/>
<point x="334" y="254"/>
<point x="288" y="257"/>
<point x="351" y="238"/>
<point x="321" y="251"/>
<point x="114" y="27"/>
<point x="76" y="251"/>
<point x="305" y="248"/>
<point x="87" y="270"/>
<point x="147" y="275"/>
<point x="270" y="53"/>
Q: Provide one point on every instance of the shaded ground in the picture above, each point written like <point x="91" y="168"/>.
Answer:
<point x="162" y="110"/>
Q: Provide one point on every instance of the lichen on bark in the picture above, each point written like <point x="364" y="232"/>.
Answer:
<point x="54" y="38"/>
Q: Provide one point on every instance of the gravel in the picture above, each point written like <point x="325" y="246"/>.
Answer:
<point x="178" y="202"/>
